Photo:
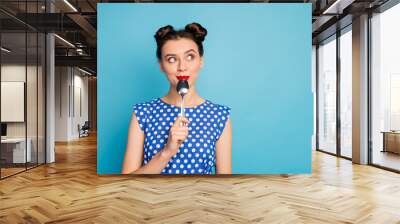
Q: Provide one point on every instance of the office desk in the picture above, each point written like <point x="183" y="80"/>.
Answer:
<point x="391" y="141"/>
<point x="15" y="148"/>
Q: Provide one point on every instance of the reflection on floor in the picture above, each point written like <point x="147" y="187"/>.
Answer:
<point x="10" y="169"/>
<point x="70" y="191"/>
<point x="386" y="159"/>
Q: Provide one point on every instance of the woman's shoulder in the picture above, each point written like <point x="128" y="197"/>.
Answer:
<point x="146" y="106"/>
<point x="222" y="112"/>
<point x="223" y="108"/>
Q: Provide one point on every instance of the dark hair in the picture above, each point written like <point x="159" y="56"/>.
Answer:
<point x="193" y="31"/>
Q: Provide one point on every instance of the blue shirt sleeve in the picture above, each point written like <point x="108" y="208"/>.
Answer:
<point x="223" y="114"/>
<point x="141" y="115"/>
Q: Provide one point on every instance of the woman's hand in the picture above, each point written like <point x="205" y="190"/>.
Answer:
<point x="177" y="134"/>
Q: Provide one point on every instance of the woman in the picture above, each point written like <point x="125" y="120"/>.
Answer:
<point x="157" y="140"/>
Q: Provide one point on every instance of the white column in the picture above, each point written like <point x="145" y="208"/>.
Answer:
<point x="50" y="100"/>
<point x="360" y="90"/>
<point x="50" y="92"/>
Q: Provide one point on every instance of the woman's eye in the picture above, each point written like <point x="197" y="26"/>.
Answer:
<point x="190" y="57"/>
<point x="171" y="60"/>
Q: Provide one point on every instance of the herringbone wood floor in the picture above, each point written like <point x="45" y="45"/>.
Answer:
<point x="69" y="191"/>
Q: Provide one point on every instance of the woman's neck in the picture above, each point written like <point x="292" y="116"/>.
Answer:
<point x="192" y="99"/>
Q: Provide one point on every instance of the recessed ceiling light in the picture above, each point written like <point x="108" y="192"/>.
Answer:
<point x="5" y="50"/>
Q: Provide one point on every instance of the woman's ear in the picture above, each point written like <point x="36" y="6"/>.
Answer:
<point x="201" y="62"/>
<point x="161" y="66"/>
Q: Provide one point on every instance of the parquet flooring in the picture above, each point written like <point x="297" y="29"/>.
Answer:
<point x="70" y="191"/>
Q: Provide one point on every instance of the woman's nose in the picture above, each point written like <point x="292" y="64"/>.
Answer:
<point x="182" y="66"/>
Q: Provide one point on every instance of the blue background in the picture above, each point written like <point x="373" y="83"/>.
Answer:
<point x="257" y="61"/>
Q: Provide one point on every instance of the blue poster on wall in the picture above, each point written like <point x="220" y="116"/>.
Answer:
<point x="256" y="66"/>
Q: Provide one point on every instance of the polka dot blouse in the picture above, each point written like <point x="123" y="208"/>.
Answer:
<point x="197" y="154"/>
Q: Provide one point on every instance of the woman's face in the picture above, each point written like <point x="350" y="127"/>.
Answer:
<point x="181" y="57"/>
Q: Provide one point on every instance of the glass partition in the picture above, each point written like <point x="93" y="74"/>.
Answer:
<point x="327" y="95"/>
<point x="385" y="89"/>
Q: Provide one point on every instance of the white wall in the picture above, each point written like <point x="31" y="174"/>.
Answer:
<point x="62" y="81"/>
<point x="15" y="72"/>
<point x="71" y="87"/>
<point x="81" y="103"/>
<point x="33" y="127"/>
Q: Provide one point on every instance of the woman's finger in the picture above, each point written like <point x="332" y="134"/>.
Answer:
<point x="180" y="119"/>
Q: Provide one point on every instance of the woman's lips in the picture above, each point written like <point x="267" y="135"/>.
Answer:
<point x="182" y="77"/>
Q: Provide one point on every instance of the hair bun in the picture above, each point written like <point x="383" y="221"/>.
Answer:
<point x="197" y="30"/>
<point x="163" y="31"/>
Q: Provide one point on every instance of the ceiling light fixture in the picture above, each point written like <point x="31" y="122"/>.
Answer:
<point x="64" y="40"/>
<point x="84" y="71"/>
<point x="337" y="7"/>
<point x="70" y="5"/>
